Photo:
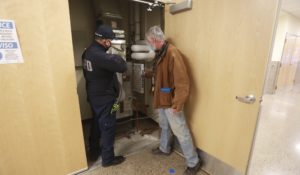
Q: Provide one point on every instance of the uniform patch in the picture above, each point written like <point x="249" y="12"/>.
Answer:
<point x="87" y="65"/>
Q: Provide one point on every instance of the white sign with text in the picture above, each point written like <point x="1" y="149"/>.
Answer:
<point x="10" y="50"/>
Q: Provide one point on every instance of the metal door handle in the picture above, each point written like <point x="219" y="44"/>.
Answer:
<point x="249" y="99"/>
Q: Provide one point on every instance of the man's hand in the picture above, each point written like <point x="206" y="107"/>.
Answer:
<point x="176" y="109"/>
<point x="148" y="73"/>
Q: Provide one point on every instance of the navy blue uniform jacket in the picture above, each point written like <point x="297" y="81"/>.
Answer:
<point x="99" y="70"/>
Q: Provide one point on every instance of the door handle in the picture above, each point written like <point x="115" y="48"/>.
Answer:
<point x="249" y="99"/>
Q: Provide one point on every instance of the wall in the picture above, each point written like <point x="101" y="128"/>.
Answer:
<point x="287" y="23"/>
<point x="282" y="75"/>
<point x="40" y="129"/>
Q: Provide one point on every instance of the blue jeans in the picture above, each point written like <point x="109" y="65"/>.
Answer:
<point x="175" y="124"/>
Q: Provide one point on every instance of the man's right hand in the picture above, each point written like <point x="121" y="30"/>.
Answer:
<point x="148" y="73"/>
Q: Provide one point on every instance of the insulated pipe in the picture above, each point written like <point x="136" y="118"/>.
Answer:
<point x="143" y="56"/>
<point x="140" y="48"/>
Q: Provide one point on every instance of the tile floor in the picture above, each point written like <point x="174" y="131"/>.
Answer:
<point x="139" y="160"/>
<point x="276" y="149"/>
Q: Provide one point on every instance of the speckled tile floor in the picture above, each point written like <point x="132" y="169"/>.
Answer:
<point x="144" y="163"/>
<point x="139" y="160"/>
<point x="277" y="143"/>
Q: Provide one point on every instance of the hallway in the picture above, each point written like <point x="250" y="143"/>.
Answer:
<point x="277" y="143"/>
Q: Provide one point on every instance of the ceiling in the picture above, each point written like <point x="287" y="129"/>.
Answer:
<point x="291" y="6"/>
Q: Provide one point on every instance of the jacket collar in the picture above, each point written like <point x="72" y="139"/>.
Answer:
<point x="162" y="52"/>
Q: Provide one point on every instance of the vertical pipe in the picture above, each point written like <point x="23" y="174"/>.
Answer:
<point x="137" y="22"/>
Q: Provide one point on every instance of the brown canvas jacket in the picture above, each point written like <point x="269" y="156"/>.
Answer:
<point x="171" y="72"/>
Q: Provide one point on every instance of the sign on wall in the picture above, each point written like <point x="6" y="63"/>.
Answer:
<point x="10" y="50"/>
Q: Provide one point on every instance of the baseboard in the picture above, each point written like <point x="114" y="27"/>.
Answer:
<point x="212" y="165"/>
<point x="78" y="171"/>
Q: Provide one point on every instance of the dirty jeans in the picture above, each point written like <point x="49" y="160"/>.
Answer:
<point x="175" y="124"/>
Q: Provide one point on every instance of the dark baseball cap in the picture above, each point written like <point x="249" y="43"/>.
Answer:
<point x="105" y="32"/>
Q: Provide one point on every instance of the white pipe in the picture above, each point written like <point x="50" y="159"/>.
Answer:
<point x="140" y="48"/>
<point x="143" y="56"/>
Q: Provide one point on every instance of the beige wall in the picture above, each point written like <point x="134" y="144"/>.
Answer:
<point x="287" y="30"/>
<point x="40" y="129"/>
<point x="287" y="23"/>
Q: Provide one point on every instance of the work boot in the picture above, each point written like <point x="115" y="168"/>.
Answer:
<point x="117" y="160"/>
<point x="193" y="170"/>
<point x="157" y="151"/>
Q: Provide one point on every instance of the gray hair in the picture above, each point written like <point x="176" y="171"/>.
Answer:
<point x="155" y="32"/>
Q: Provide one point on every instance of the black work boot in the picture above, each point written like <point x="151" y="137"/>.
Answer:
<point x="193" y="170"/>
<point x="117" y="160"/>
<point x="157" y="151"/>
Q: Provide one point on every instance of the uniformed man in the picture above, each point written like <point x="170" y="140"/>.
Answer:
<point x="102" y="88"/>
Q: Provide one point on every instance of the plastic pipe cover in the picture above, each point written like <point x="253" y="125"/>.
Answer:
<point x="143" y="56"/>
<point x="140" y="48"/>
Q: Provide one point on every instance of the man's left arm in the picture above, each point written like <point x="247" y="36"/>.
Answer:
<point x="181" y="82"/>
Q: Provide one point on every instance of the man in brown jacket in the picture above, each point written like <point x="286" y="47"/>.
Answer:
<point x="171" y="90"/>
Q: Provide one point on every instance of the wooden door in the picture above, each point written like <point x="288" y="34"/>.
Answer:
<point x="287" y="71"/>
<point x="40" y="132"/>
<point x="226" y="44"/>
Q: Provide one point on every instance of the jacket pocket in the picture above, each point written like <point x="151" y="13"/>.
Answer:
<point x="165" y="99"/>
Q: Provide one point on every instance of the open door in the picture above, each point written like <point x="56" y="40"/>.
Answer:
<point x="226" y="44"/>
<point x="289" y="62"/>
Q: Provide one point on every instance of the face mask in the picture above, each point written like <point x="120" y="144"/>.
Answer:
<point x="152" y="47"/>
<point x="150" y="43"/>
<point x="108" y="44"/>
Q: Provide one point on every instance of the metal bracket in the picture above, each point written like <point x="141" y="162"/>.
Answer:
<point x="183" y="6"/>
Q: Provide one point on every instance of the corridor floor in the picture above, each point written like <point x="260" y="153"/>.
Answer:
<point x="139" y="160"/>
<point x="277" y="142"/>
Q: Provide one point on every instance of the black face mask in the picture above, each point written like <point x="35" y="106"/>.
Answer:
<point x="107" y="44"/>
<point x="106" y="48"/>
